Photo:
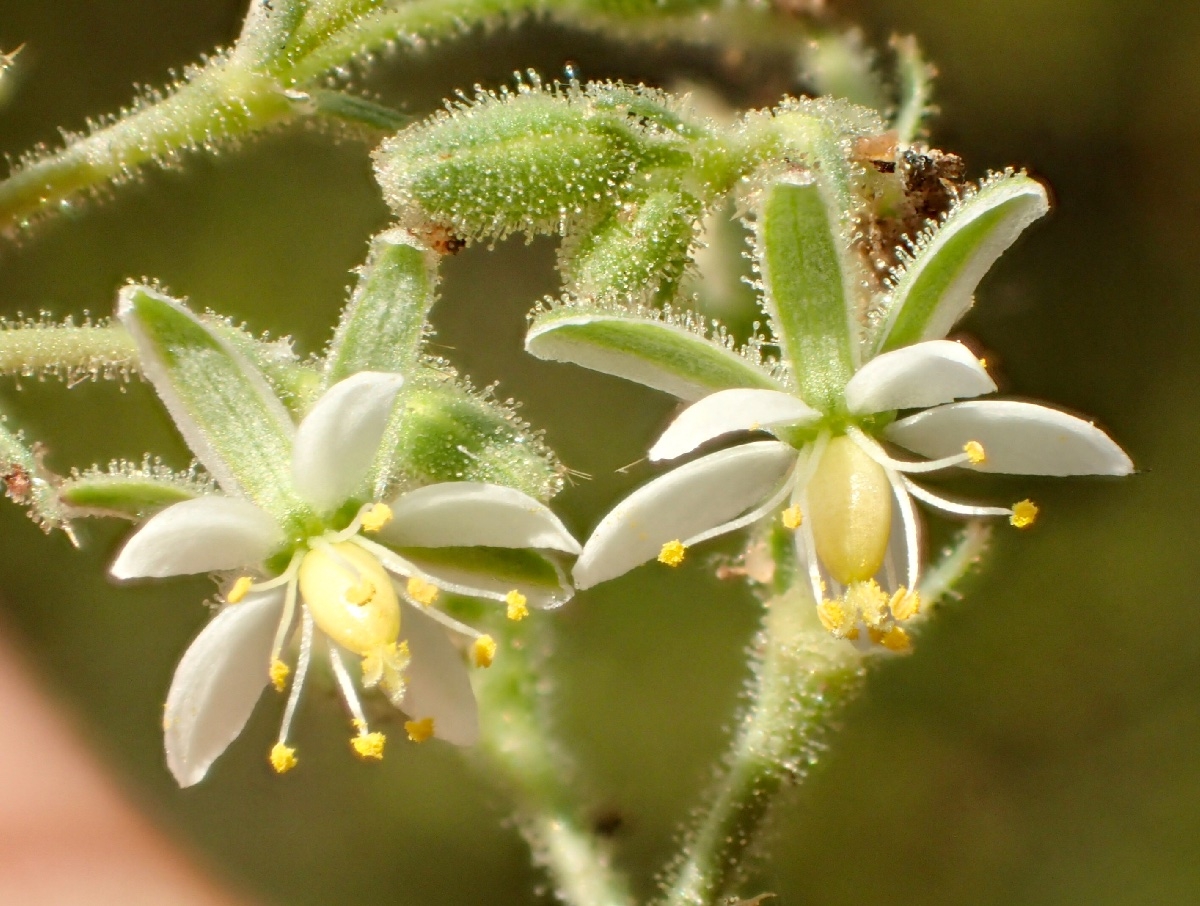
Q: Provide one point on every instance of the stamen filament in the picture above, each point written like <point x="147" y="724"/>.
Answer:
<point x="306" y="644"/>
<point x="908" y="518"/>
<point x="398" y="566"/>
<point x="772" y="503"/>
<point x="289" y="607"/>
<point x="876" y="452"/>
<point x="449" y="622"/>
<point x="346" y="685"/>
<point x="953" y="507"/>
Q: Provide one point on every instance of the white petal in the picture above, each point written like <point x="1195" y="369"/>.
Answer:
<point x="728" y="411"/>
<point x="199" y="536"/>
<point x="337" y="441"/>
<point x="914" y="377"/>
<point x="218" y="681"/>
<point x="437" y="681"/>
<point x="1021" y="438"/>
<point x="691" y="499"/>
<point x="471" y="514"/>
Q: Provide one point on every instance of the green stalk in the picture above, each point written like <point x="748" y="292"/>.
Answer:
<point x="803" y="679"/>
<point x="228" y="98"/>
<point x="220" y="102"/>
<point x="28" y="349"/>
<point x="520" y="753"/>
<point x="412" y="21"/>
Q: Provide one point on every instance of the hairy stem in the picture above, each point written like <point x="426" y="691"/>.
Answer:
<point x="219" y="102"/>
<point x="520" y="752"/>
<point x="73" y="351"/>
<point x="803" y="679"/>
<point x="413" y="22"/>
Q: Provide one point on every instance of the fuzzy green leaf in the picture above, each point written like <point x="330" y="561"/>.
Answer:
<point x="804" y="260"/>
<point x="383" y="325"/>
<point x="221" y="403"/>
<point x="635" y="346"/>
<point x="935" y="289"/>
<point x="444" y="432"/>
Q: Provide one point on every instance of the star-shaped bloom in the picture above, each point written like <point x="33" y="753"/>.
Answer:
<point x="353" y="577"/>
<point x="838" y="469"/>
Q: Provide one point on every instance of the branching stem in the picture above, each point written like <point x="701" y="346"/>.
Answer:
<point x="520" y="752"/>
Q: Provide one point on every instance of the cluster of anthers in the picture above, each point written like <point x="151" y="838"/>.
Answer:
<point x="351" y="598"/>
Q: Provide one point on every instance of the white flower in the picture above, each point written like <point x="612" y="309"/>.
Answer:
<point x="848" y="500"/>
<point x="343" y="593"/>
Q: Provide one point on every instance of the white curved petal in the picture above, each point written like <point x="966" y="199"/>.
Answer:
<point x="218" y="681"/>
<point x="1021" y="438"/>
<point x="437" y="681"/>
<point x="337" y="441"/>
<point x="199" y="536"/>
<point x="474" y="514"/>
<point x="727" y="411"/>
<point x="685" y="502"/>
<point x="917" y="376"/>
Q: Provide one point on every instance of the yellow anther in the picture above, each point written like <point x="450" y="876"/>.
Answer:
<point x="379" y="515"/>
<point x="419" y="730"/>
<point x="895" y="639"/>
<point x="792" y="517"/>
<point x="867" y="601"/>
<point x="361" y="593"/>
<point x="833" y="617"/>
<point x="518" y="605"/>
<point x="1024" y="514"/>
<point x="369" y="745"/>
<point x="672" y="553"/>
<point x="239" y="590"/>
<point x="279" y="673"/>
<point x="421" y="591"/>
<point x="283" y="758"/>
<point x="905" y="604"/>
<point x="983" y="363"/>
<point x="975" y="453"/>
<point x="483" y="651"/>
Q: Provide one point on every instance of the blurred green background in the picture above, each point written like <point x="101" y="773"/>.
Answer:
<point x="1043" y="744"/>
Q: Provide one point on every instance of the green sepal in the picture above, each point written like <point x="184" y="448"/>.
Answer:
<point x="935" y="287"/>
<point x="128" y="491"/>
<point x="294" y="382"/>
<point x="223" y="406"/>
<point x="28" y="482"/>
<point x="647" y="346"/>
<point x="518" y="567"/>
<point x="443" y="431"/>
<point x="805" y="260"/>
<point x="638" y="252"/>
<point x="534" y="161"/>
<point x="384" y="323"/>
